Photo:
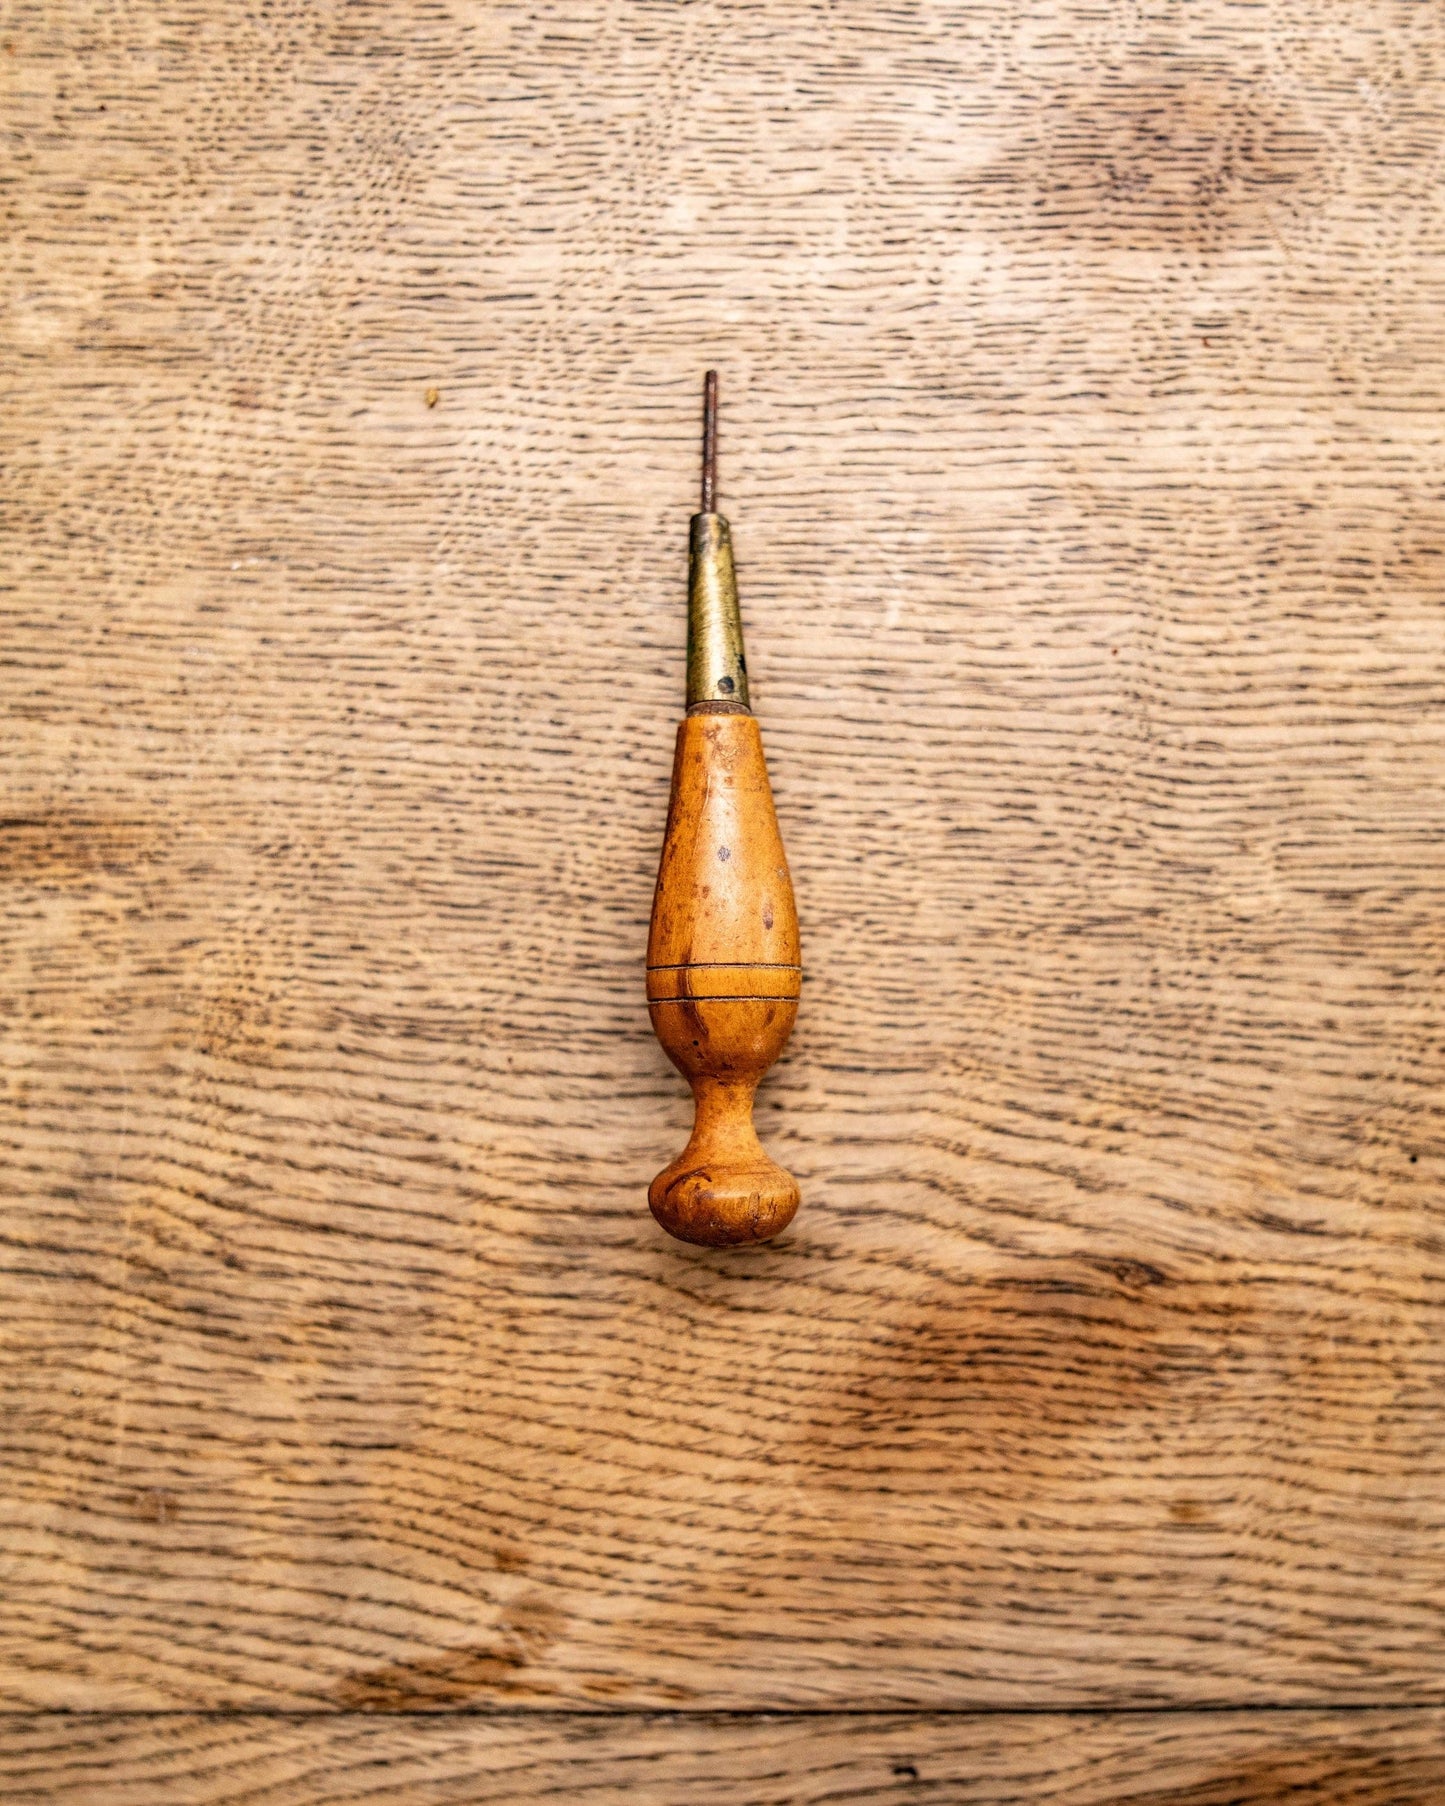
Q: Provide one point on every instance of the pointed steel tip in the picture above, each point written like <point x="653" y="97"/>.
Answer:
<point x="709" y="443"/>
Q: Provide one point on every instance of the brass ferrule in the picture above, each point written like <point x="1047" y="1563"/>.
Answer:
<point x="717" y="672"/>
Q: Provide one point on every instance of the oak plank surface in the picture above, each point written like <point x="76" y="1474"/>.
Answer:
<point x="1387" y="1758"/>
<point x="1082" y="369"/>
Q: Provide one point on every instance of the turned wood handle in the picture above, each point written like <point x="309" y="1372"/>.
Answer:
<point x="723" y="976"/>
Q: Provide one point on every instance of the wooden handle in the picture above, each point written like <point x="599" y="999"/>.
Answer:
<point x="723" y="976"/>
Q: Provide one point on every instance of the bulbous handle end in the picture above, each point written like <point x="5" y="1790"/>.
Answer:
<point x="723" y="1190"/>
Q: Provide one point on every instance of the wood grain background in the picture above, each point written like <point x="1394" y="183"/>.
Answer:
<point x="1082" y="370"/>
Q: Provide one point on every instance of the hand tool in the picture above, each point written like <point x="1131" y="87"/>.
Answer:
<point x="723" y="965"/>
